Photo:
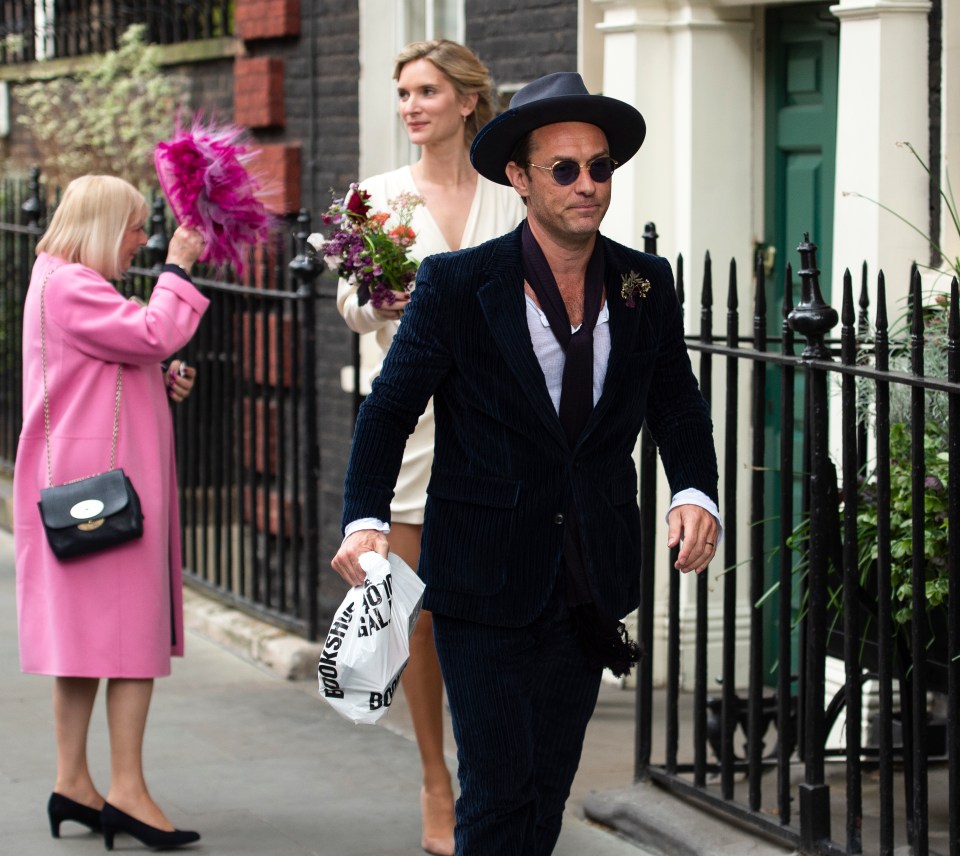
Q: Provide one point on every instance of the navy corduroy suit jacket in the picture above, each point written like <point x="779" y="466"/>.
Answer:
<point x="504" y="478"/>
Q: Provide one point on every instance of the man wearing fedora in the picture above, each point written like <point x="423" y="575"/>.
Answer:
<point x="545" y="351"/>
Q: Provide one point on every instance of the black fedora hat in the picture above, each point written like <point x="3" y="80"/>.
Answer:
<point x="558" y="97"/>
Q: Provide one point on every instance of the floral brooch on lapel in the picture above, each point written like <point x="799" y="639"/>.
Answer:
<point x="632" y="287"/>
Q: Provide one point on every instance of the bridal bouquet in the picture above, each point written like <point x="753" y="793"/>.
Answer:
<point x="365" y="251"/>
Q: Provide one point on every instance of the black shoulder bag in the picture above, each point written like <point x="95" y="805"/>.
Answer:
<point x="92" y="513"/>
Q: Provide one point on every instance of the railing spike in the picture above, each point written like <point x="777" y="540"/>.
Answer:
<point x="848" y="333"/>
<point x="681" y="295"/>
<point x="864" y="293"/>
<point x="953" y="326"/>
<point x="916" y="302"/>
<point x="882" y="321"/>
<point x="787" y="289"/>
<point x="650" y="238"/>
<point x="706" y="299"/>
<point x="847" y="316"/>
<point x="760" y="296"/>
<point x="733" y="298"/>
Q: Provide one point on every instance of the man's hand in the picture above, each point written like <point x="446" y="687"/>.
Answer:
<point x="696" y="530"/>
<point x="347" y="561"/>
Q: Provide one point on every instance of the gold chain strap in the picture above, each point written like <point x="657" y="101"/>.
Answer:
<point x="46" y="399"/>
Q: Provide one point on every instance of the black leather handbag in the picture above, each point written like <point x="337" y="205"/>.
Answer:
<point x="93" y="513"/>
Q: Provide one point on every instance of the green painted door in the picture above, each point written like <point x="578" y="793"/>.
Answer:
<point x="801" y="57"/>
<point x="802" y="45"/>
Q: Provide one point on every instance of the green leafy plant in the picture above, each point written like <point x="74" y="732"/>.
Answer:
<point x="107" y="118"/>
<point x="900" y="459"/>
<point x="902" y="547"/>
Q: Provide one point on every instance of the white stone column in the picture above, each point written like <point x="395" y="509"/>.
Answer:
<point x="950" y="232"/>
<point x="689" y="69"/>
<point x="882" y="100"/>
<point x="383" y="141"/>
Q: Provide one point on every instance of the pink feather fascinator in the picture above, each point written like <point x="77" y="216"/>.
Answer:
<point x="204" y="173"/>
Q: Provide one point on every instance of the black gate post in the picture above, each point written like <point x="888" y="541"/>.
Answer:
<point x="305" y="269"/>
<point x="643" y="736"/>
<point x="813" y="319"/>
<point x="33" y="207"/>
<point x="158" y="243"/>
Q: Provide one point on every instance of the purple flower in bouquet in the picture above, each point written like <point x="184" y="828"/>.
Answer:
<point x="365" y="250"/>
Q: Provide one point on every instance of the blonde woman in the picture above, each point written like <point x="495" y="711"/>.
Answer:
<point x="445" y="95"/>
<point x="115" y="614"/>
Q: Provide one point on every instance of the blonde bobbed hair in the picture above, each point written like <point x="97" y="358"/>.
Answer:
<point x="463" y="69"/>
<point x="90" y="222"/>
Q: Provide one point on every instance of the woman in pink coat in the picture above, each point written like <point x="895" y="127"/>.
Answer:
<point x="115" y="614"/>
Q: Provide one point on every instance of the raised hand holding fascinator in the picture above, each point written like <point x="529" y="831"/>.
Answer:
<point x="203" y="170"/>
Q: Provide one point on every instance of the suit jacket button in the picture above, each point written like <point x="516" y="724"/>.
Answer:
<point x="558" y="519"/>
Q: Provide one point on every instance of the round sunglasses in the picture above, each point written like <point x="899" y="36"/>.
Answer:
<point x="566" y="172"/>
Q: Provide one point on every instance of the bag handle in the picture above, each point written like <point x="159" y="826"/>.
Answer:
<point x="46" y="399"/>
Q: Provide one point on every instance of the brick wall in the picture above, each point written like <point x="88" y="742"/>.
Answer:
<point x="280" y="163"/>
<point x="211" y="87"/>
<point x="322" y="103"/>
<point x="323" y="99"/>
<point x="266" y="19"/>
<point x="258" y="96"/>
<point x="520" y="42"/>
<point x="318" y="100"/>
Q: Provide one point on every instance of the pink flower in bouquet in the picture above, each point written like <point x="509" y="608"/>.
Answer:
<point x="364" y="250"/>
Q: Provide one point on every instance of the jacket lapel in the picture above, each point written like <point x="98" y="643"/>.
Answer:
<point x="623" y="325"/>
<point x="503" y="304"/>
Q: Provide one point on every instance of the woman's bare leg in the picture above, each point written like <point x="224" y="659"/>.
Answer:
<point x="423" y="688"/>
<point x="128" y="702"/>
<point x="73" y="700"/>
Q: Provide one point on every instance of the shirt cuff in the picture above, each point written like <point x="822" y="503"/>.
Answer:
<point x="692" y="496"/>
<point x="365" y="523"/>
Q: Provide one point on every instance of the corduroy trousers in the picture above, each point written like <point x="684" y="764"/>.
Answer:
<point x="520" y="700"/>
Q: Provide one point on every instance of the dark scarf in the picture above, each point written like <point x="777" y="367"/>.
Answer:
<point x="576" y="397"/>
<point x="604" y="639"/>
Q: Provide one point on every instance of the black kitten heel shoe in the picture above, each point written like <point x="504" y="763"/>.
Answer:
<point x="112" y="821"/>
<point x="61" y="808"/>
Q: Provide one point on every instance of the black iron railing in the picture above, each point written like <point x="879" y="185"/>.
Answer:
<point x="32" y="30"/>
<point x="830" y="566"/>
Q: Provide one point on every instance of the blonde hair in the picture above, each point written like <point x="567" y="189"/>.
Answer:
<point x="463" y="69"/>
<point x="90" y="222"/>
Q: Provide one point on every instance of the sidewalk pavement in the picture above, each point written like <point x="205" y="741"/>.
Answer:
<point x="261" y="765"/>
<point x="257" y="764"/>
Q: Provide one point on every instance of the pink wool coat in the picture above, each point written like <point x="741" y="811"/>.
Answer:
<point x="118" y="613"/>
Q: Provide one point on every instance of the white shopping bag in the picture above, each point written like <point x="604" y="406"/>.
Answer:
<point x="368" y="644"/>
